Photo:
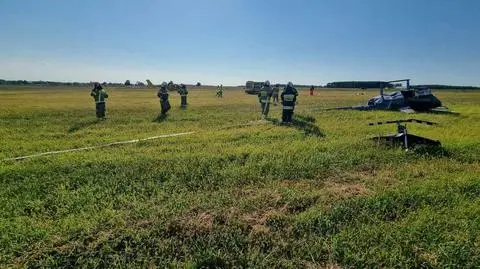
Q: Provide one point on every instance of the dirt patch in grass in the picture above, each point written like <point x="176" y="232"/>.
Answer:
<point x="346" y="190"/>
<point x="259" y="229"/>
<point x="197" y="223"/>
<point x="261" y="216"/>
<point x="310" y="265"/>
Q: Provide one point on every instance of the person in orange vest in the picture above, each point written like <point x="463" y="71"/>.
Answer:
<point x="311" y="90"/>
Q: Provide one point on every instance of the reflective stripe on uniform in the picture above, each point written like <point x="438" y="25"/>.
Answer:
<point x="288" y="107"/>
<point x="288" y="97"/>
<point x="99" y="96"/>
<point x="264" y="98"/>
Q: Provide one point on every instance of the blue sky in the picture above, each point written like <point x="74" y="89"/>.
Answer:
<point x="231" y="41"/>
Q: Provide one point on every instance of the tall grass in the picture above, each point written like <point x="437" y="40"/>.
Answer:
<point x="231" y="195"/>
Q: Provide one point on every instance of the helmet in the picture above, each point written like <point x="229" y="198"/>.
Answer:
<point x="266" y="83"/>
<point x="183" y="86"/>
<point x="164" y="84"/>
<point x="290" y="84"/>
<point x="96" y="84"/>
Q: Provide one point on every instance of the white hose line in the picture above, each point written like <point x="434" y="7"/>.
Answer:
<point x="96" y="147"/>
<point x="123" y="142"/>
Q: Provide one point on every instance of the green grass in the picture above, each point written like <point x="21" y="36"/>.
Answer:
<point x="316" y="194"/>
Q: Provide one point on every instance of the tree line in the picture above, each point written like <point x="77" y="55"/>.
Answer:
<point x="338" y="84"/>
<point x="57" y="83"/>
<point x="53" y="83"/>
<point x="383" y="84"/>
<point x="449" y="87"/>
<point x="359" y="84"/>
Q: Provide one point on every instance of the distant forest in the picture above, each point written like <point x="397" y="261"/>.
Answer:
<point x="383" y="84"/>
<point x="447" y="87"/>
<point x="52" y="83"/>
<point x="339" y="84"/>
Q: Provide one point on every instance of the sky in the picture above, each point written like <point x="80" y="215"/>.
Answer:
<point x="231" y="41"/>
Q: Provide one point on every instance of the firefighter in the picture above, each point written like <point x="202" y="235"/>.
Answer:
<point x="99" y="95"/>
<point x="289" y="99"/>
<point x="183" y="94"/>
<point x="264" y="98"/>
<point x="275" y="93"/>
<point x="312" y="89"/>
<point x="163" y="95"/>
<point x="220" y="91"/>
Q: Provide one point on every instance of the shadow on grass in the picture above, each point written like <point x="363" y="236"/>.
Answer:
<point x="305" y="118"/>
<point x="81" y="125"/>
<point x="302" y="123"/>
<point x="430" y="150"/>
<point x="416" y="149"/>
<point x="441" y="112"/>
<point x="160" y="117"/>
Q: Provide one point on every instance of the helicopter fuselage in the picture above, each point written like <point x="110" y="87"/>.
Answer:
<point x="422" y="100"/>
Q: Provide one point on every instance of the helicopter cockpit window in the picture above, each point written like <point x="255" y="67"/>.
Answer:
<point x="422" y="92"/>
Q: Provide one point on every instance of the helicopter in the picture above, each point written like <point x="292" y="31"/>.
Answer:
<point x="402" y="137"/>
<point x="408" y="100"/>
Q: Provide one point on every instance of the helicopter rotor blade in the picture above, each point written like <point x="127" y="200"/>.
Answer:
<point x="422" y="122"/>
<point x="401" y="121"/>
<point x="384" y="122"/>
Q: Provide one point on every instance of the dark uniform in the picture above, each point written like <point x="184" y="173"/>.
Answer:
<point x="99" y="95"/>
<point x="220" y="91"/>
<point x="264" y="98"/>
<point x="275" y="93"/>
<point x="164" y="103"/>
<point x="289" y="98"/>
<point x="183" y="94"/>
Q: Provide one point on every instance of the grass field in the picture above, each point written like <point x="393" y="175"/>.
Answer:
<point x="238" y="192"/>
